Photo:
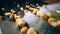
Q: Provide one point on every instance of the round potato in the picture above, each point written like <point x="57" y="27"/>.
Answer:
<point x="55" y="24"/>
<point x="49" y="14"/>
<point x="20" y="22"/>
<point x="24" y="30"/>
<point x="44" y="16"/>
<point x="31" y="31"/>
<point x="52" y="20"/>
<point x="7" y="14"/>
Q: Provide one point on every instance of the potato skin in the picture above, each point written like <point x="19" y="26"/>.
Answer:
<point x="31" y="31"/>
<point x="24" y="30"/>
<point x="44" y="16"/>
<point x="49" y="14"/>
<point x="52" y="20"/>
<point x="20" y="22"/>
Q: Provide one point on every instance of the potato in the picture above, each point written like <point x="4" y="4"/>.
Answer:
<point x="24" y="30"/>
<point x="38" y="14"/>
<point x="55" y="24"/>
<point x="13" y="11"/>
<point x="7" y="14"/>
<point x="49" y="14"/>
<point x="38" y="7"/>
<point x="11" y="16"/>
<point x="31" y="31"/>
<point x="35" y="11"/>
<point x="58" y="11"/>
<point x="20" y="22"/>
<point x="31" y="8"/>
<point x="25" y="11"/>
<point x="44" y="16"/>
<point x="27" y="6"/>
<point x="21" y="9"/>
<point x="16" y="16"/>
<point x="58" y="22"/>
<point x="52" y="20"/>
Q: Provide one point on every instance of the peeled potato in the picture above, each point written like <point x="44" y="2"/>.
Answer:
<point x="24" y="30"/>
<point x="44" y="16"/>
<point x="20" y="22"/>
<point x="7" y="14"/>
<point x="52" y="20"/>
<point x="55" y="24"/>
<point x="31" y="31"/>
<point x="49" y="14"/>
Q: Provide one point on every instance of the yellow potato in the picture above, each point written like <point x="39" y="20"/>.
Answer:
<point x="13" y="11"/>
<point x="38" y="7"/>
<point x="16" y="16"/>
<point x="21" y="9"/>
<point x="45" y="6"/>
<point x="20" y="22"/>
<point x="58" y="11"/>
<point x="24" y="30"/>
<point x="25" y="11"/>
<point x="31" y="8"/>
<point x="58" y="22"/>
<point x="7" y="14"/>
<point x="38" y="14"/>
<point x="55" y="24"/>
<point x="27" y="6"/>
<point x="52" y="20"/>
<point x="35" y="11"/>
<point x="11" y="16"/>
<point x="31" y="31"/>
<point x="44" y="16"/>
<point x="49" y="14"/>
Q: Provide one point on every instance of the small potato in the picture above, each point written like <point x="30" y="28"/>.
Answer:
<point x="58" y="11"/>
<point x="44" y="16"/>
<point x="16" y="16"/>
<point x="21" y="9"/>
<point x="35" y="11"/>
<point x="38" y="7"/>
<point x="11" y="16"/>
<point x="31" y="31"/>
<point x="13" y="11"/>
<point x="49" y="14"/>
<point x="20" y="22"/>
<point x="24" y="30"/>
<point x="55" y="24"/>
<point x="27" y="6"/>
<point x="25" y="11"/>
<point x="45" y="6"/>
<point x="31" y="8"/>
<point x="52" y="20"/>
<point x="38" y="14"/>
<point x="58" y="22"/>
<point x="7" y="14"/>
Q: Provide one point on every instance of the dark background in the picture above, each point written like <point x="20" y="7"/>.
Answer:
<point x="8" y="4"/>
